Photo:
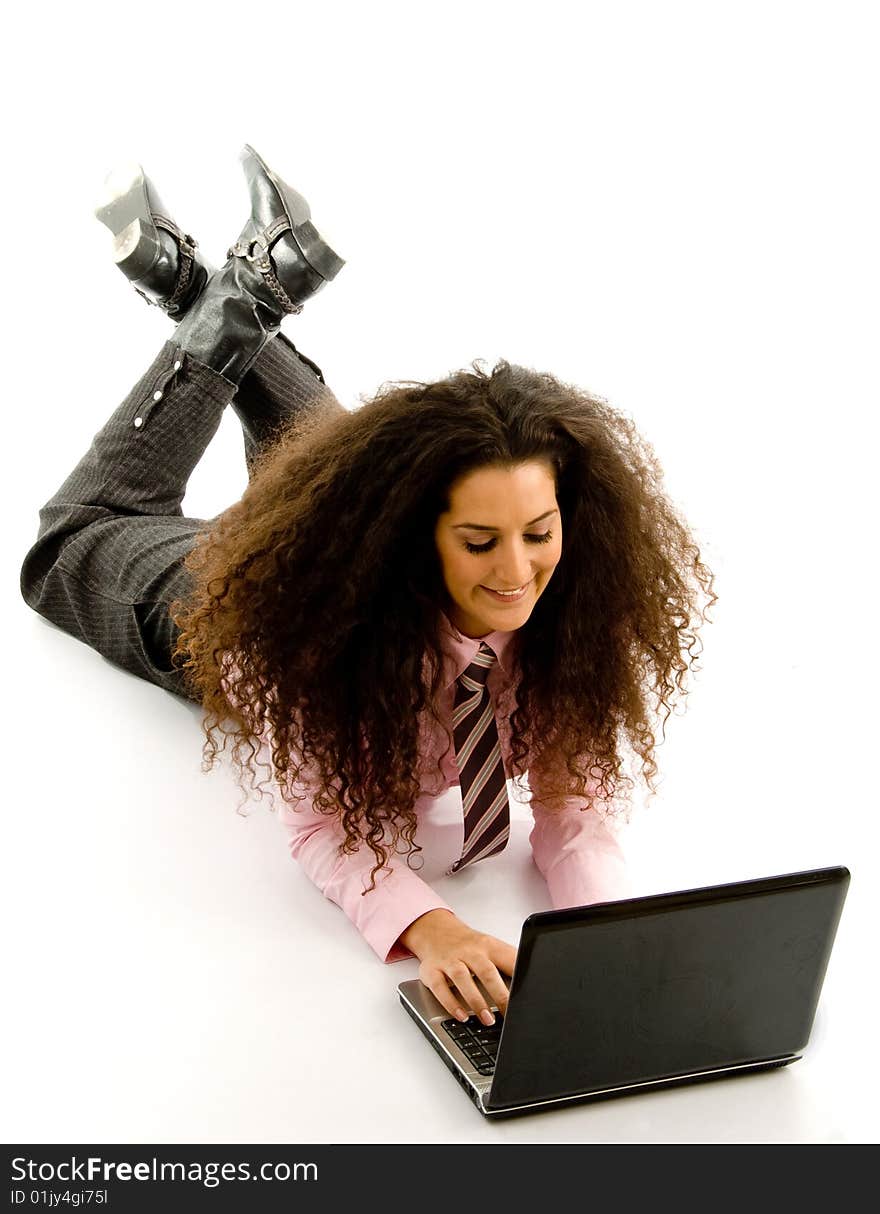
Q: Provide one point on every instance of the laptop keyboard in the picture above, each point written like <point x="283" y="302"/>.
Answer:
<point x="477" y="1041"/>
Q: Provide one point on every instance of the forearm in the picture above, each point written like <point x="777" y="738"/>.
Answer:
<point x="381" y="914"/>
<point x="579" y="856"/>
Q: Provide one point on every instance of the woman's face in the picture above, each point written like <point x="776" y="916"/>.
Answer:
<point x="501" y="533"/>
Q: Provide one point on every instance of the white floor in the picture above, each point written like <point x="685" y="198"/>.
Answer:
<point x="704" y="255"/>
<point x="172" y="976"/>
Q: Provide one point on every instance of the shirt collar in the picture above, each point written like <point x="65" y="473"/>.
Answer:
<point x="459" y="651"/>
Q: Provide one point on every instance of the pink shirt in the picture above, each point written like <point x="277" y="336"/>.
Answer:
<point x="575" y="851"/>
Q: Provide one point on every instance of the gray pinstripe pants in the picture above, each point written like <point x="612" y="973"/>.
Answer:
<point x="108" y="559"/>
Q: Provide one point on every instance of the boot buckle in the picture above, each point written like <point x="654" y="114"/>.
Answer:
<point x="253" y="250"/>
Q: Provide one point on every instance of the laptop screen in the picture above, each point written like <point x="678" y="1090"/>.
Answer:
<point x="668" y="985"/>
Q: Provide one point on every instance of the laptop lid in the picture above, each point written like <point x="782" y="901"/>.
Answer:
<point x="621" y="994"/>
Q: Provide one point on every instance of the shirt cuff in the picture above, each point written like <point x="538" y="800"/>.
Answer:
<point x="399" y="898"/>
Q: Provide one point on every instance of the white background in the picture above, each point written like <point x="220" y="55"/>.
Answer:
<point x="672" y="205"/>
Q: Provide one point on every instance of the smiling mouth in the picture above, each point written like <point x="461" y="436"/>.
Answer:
<point x="507" y="595"/>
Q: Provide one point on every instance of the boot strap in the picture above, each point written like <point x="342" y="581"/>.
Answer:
<point x="256" y="251"/>
<point x="186" y="247"/>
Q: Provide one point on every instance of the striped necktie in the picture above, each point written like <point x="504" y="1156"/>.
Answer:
<point x="480" y="767"/>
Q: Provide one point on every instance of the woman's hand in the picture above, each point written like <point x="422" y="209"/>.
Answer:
<point x="452" y="955"/>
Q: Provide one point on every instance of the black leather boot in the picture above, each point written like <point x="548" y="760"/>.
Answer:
<point x="161" y="260"/>
<point x="278" y="262"/>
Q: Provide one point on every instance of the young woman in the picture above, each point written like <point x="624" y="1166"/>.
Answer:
<point x="455" y="585"/>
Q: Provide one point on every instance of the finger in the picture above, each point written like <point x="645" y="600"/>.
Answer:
<point x="436" y="983"/>
<point x="495" y="986"/>
<point x="504" y="956"/>
<point x="460" y="974"/>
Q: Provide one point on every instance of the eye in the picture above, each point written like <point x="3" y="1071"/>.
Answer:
<point x="544" y="538"/>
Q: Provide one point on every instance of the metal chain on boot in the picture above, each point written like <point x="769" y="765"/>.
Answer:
<point x="289" y="306"/>
<point x="256" y="251"/>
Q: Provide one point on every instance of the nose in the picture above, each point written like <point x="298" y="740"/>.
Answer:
<point x="515" y="567"/>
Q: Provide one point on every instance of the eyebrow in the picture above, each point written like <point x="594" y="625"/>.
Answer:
<point x="480" y="527"/>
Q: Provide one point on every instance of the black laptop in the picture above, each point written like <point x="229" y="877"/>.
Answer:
<point x="622" y="997"/>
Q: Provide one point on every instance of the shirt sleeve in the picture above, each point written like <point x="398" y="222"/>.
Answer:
<point x="399" y="896"/>
<point x="578" y="854"/>
<point x="380" y="914"/>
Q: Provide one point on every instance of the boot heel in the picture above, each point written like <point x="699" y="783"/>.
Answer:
<point x="316" y="251"/>
<point x="124" y="208"/>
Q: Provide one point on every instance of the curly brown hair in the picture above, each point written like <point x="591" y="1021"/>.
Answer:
<point x="315" y="617"/>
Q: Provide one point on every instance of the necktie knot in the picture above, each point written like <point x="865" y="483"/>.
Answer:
<point x="478" y="671"/>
